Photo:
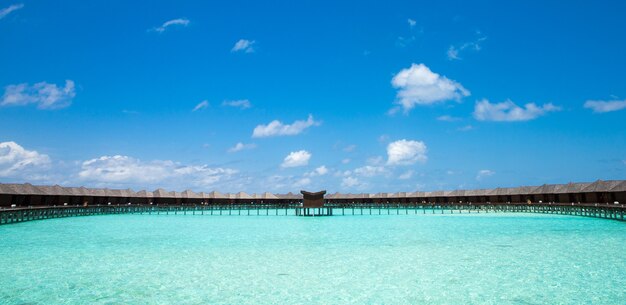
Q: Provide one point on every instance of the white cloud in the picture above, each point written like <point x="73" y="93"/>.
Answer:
<point x="241" y="146"/>
<point x="466" y="128"/>
<point x="349" y="182"/>
<point x="394" y="110"/>
<point x="123" y="169"/>
<point x="280" y="183"/>
<point x="508" y="111"/>
<point x="243" y="104"/>
<point x="405" y="152"/>
<point x="17" y="162"/>
<point x="244" y="45"/>
<point x="277" y="128"/>
<point x="346" y="161"/>
<point x="484" y="173"/>
<point x="320" y="171"/>
<point x="411" y="22"/>
<point x="404" y="41"/>
<point x="276" y="182"/>
<point x="418" y="85"/>
<point x="202" y="105"/>
<point x="605" y="106"/>
<point x="11" y="8"/>
<point x="454" y="51"/>
<point x="173" y="22"/>
<point x="44" y="95"/>
<point x="349" y="148"/>
<point x="296" y="158"/>
<point x="447" y="118"/>
<point x="370" y="171"/>
<point x="302" y="182"/>
<point x="377" y="160"/>
<point x="406" y="175"/>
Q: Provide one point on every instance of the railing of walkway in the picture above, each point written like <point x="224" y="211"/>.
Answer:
<point x="606" y="211"/>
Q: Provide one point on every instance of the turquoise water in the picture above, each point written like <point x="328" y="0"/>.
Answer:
<point x="396" y="259"/>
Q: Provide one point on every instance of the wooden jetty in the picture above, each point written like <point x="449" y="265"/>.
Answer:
<point x="22" y="214"/>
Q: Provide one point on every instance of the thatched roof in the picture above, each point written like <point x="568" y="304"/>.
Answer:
<point x="145" y="194"/>
<point x="331" y="196"/>
<point x="161" y="193"/>
<point x="5" y="189"/>
<point x="570" y="188"/>
<point x="56" y="190"/>
<point x="521" y="190"/>
<point x="21" y="189"/>
<point x="217" y="195"/>
<point x="437" y="194"/>
<point x="620" y="186"/>
<point x="603" y="186"/>
<point x="504" y="191"/>
<point x="74" y="191"/>
<point x="242" y="195"/>
<point x="365" y="195"/>
<point x="33" y="190"/>
<point x="457" y="193"/>
<point x="474" y="193"/>
<point x="268" y="195"/>
<point x="189" y="194"/>
<point x="289" y="195"/>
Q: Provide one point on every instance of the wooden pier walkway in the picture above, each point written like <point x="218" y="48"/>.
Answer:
<point x="16" y="215"/>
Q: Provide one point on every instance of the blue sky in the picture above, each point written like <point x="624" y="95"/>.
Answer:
<point x="363" y="96"/>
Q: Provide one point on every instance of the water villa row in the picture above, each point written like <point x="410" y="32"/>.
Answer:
<point x="598" y="192"/>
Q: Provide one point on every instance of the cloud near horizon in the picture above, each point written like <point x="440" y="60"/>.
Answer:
<point x="483" y="173"/>
<point x="19" y="165"/>
<point x="121" y="170"/>
<point x="350" y="182"/>
<point x="18" y="162"/>
<point x="319" y="171"/>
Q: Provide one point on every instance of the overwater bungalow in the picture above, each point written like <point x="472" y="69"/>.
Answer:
<point x="22" y="195"/>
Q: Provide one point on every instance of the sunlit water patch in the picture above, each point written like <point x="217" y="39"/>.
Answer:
<point x="396" y="259"/>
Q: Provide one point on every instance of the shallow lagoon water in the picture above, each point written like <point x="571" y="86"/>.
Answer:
<point x="378" y="259"/>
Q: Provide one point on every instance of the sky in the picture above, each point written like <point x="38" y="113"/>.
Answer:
<point x="278" y="96"/>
